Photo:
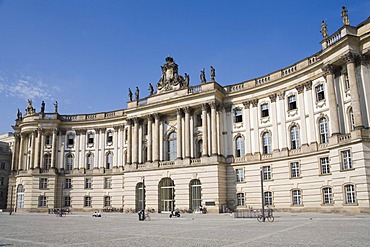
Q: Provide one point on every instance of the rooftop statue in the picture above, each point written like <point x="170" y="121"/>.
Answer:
<point x="42" y="107"/>
<point x="213" y="74"/>
<point x="30" y="110"/>
<point x="345" y="15"/>
<point x="324" y="29"/>
<point x="170" y="79"/>
<point x="19" y="115"/>
<point x="137" y="94"/>
<point x="56" y="106"/>
<point x="151" y="89"/>
<point x="129" y="94"/>
<point x="202" y="76"/>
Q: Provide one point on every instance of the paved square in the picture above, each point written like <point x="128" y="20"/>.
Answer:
<point x="115" y="229"/>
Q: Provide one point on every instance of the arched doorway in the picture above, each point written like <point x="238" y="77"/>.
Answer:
<point x="195" y="194"/>
<point x="20" y="196"/>
<point x="166" y="192"/>
<point x="140" y="196"/>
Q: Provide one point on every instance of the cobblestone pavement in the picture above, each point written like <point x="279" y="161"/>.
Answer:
<point x="115" y="229"/>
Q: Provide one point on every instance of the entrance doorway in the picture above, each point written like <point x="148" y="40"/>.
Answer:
<point x="166" y="193"/>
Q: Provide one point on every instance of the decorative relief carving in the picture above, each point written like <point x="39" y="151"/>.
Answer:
<point x="170" y="79"/>
<point x="293" y="113"/>
<point x="204" y="107"/>
<point x="281" y="95"/>
<point x="254" y="102"/>
<point x="272" y="97"/>
<point x="228" y="107"/>
<point x="265" y="119"/>
<point x="247" y="104"/>
<point x="308" y="85"/>
<point x="328" y="69"/>
<point x="349" y="57"/>
<point x="321" y="103"/>
<point x="300" y="88"/>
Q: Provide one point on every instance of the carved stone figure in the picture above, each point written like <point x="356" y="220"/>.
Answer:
<point x="170" y="78"/>
<point x="324" y="29"/>
<point x="203" y="76"/>
<point x="30" y="110"/>
<point x="213" y="74"/>
<point x="137" y="94"/>
<point x="42" y="107"/>
<point x="187" y="80"/>
<point x="19" y="115"/>
<point x="129" y="94"/>
<point x="56" y="106"/>
<point x="150" y="89"/>
<point x="345" y="15"/>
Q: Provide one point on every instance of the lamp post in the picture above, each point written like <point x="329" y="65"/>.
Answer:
<point x="61" y="199"/>
<point x="11" y="200"/>
<point x="143" y="207"/>
<point x="262" y="195"/>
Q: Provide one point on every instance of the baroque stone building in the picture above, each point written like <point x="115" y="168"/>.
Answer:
<point x="6" y="146"/>
<point x="305" y="126"/>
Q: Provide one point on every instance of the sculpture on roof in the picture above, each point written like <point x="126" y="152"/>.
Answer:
<point x="202" y="76"/>
<point x="151" y="89"/>
<point x="324" y="29"/>
<point x="213" y="74"/>
<point x="56" y="106"/>
<point x="30" y="110"/>
<point x="19" y="115"/>
<point x="129" y="94"/>
<point x="170" y="78"/>
<point x="137" y="94"/>
<point x="42" y="107"/>
<point x="345" y="15"/>
<point x="186" y="80"/>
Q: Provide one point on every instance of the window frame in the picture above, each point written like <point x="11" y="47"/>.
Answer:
<point x="266" y="142"/>
<point x="108" y="183"/>
<point x="294" y="137"/>
<point x="323" y="130"/>
<point x="350" y="197"/>
<point x="238" y="115"/>
<point x="42" y="201"/>
<point x="109" y="137"/>
<point x="240" y="176"/>
<point x="240" y="199"/>
<point x="87" y="201"/>
<point x="90" y="138"/>
<point x="239" y="146"/>
<point x="320" y="92"/>
<point x="346" y="160"/>
<point x="325" y="168"/>
<point x="327" y="196"/>
<point x="68" y="183"/>
<point x="88" y="183"/>
<point x="67" y="201"/>
<point x="265" y="110"/>
<point x="292" y="102"/>
<point x="295" y="169"/>
<point x="43" y="183"/>
<point x="268" y="198"/>
<point x="172" y="146"/>
<point x="296" y="198"/>
<point x="267" y="174"/>
<point x="107" y="201"/>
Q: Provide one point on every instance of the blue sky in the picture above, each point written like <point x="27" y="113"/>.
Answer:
<point x="86" y="54"/>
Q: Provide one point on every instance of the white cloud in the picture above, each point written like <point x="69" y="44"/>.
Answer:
<point x="25" y="87"/>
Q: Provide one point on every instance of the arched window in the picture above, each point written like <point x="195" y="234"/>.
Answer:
<point x="140" y="196"/>
<point x="324" y="130"/>
<point x="20" y="196"/>
<point x="195" y="194"/>
<point x="294" y="137"/>
<point x="171" y="146"/>
<point x="166" y="192"/>
<point x="89" y="161"/>
<point x="239" y="144"/>
<point x="47" y="161"/>
<point x="199" y="149"/>
<point x="266" y="140"/>
<point x="69" y="162"/>
<point x="351" y="119"/>
<point x="109" y="161"/>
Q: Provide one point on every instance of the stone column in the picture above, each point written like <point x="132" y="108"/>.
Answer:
<point x="214" y="129"/>
<point x="255" y="127"/>
<point x="42" y="150"/>
<point x="53" y="148"/>
<point x="83" y="149"/>
<point x="37" y="149"/>
<point x="156" y="139"/>
<point x="247" y="125"/>
<point x="228" y="137"/>
<point x="302" y="114"/>
<point x="32" y="154"/>
<point x="15" y="160"/>
<point x="20" y="165"/>
<point x="219" y="130"/>
<point x="119" y="143"/>
<point x="191" y="140"/>
<point x="77" y="150"/>
<point x="129" y="142"/>
<point x="334" y="122"/>
<point x="135" y="137"/>
<point x="204" y="129"/>
<point x="284" y="130"/>
<point x="355" y="96"/>
<point x="96" y="145"/>
<point x="161" y="151"/>
<point x="311" y="115"/>
<point x="140" y="143"/>
<point x="150" y="136"/>
<point x="115" y="145"/>
<point x="275" y="134"/>
<point x="179" y="134"/>
<point x="187" y="132"/>
<point x="101" y="151"/>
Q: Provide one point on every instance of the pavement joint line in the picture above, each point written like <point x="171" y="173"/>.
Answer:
<point x="269" y="234"/>
<point x="26" y="241"/>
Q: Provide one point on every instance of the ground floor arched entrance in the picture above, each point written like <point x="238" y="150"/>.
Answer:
<point x="166" y="198"/>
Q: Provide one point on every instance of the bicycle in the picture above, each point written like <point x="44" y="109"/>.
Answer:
<point x="269" y="217"/>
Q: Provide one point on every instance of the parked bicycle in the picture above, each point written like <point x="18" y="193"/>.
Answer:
<point x="268" y="215"/>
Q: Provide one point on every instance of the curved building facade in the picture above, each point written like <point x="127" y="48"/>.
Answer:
<point x="303" y="129"/>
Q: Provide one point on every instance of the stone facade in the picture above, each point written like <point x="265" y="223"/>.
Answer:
<point x="305" y="128"/>
<point x="6" y="146"/>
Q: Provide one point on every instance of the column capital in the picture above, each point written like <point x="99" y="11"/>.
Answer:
<point x="281" y="95"/>
<point x="328" y="69"/>
<point x="179" y="111"/>
<point x="300" y="88"/>
<point x="204" y="106"/>
<point x="150" y="117"/>
<point x="254" y="102"/>
<point x="308" y="85"/>
<point x="247" y="104"/>
<point x="186" y="109"/>
<point x="364" y="60"/>
<point x="213" y="105"/>
<point x="227" y="107"/>
<point x="349" y="57"/>
<point x="116" y="127"/>
<point x="272" y="97"/>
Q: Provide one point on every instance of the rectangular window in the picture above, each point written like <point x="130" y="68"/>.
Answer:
<point x="2" y="181"/>
<point x="90" y="138"/>
<point x="296" y="197"/>
<point x="327" y="195"/>
<point x="43" y="183"/>
<point x="110" y="137"/>
<point x="268" y="198"/>
<point x="106" y="201"/>
<point x="240" y="199"/>
<point x="239" y="175"/>
<point x="70" y="140"/>
<point x="67" y="201"/>
<point x="88" y="183"/>
<point x="42" y="201"/>
<point x="238" y="116"/>
<point x="264" y="110"/>
<point x="266" y="172"/>
<point x="320" y="92"/>
<point x="87" y="201"/>
<point x="350" y="194"/>
<point x="199" y="120"/>
<point x="292" y="103"/>
<point x="68" y="183"/>
<point x="107" y="183"/>
<point x="346" y="160"/>
<point x="145" y="129"/>
<point x="2" y="165"/>
<point x="325" y="166"/>
<point x="48" y="140"/>
<point x="346" y="83"/>
<point x="295" y="170"/>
